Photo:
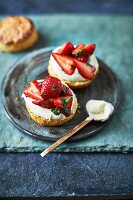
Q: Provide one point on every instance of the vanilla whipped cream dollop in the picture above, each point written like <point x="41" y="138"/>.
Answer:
<point x="75" y="76"/>
<point x="99" y="110"/>
<point x="45" y="112"/>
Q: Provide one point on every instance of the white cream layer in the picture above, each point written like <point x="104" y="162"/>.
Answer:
<point x="99" y="110"/>
<point x="75" y="76"/>
<point x="45" y="112"/>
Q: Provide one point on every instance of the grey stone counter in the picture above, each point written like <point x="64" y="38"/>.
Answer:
<point x="66" y="175"/>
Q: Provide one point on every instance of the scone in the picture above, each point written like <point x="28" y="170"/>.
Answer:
<point x="77" y="66"/>
<point x="50" y="102"/>
<point x="17" y="33"/>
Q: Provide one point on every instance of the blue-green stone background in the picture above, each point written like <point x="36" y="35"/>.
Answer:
<point x="113" y="36"/>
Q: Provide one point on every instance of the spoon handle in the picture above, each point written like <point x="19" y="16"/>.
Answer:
<point x="65" y="137"/>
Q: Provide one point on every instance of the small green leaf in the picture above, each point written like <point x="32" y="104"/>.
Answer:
<point x="68" y="99"/>
<point x="56" y="111"/>
<point x="54" y="86"/>
<point x="66" y="111"/>
<point x="80" y="53"/>
<point x="64" y="91"/>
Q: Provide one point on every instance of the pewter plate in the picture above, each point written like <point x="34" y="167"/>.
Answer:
<point x="34" y="66"/>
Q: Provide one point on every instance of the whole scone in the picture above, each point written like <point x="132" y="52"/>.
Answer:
<point x="75" y="65"/>
<point x="17" y="33"/>
<point x="50" y="102"/>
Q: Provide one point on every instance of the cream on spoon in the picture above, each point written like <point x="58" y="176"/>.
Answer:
<point x="98" y="110"/>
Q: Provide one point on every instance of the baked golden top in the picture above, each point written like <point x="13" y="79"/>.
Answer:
<point x="15" y="29"/>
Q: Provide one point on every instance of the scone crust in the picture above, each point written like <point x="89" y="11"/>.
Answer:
<point x="72" y="84"/>
<point x="51" y="122"/>
<point x="17" y="33"/>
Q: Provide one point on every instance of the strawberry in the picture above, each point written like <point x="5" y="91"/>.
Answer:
<point x="46" y="103"/>
<point x="33" y="91"/>
<point x="86" y="70"/>
<point x="51" y="87"/>
<point x="90" y="48"/>
<point x="58" y="102"/>
<point x="65" y="91"/>
<point x="66" y="48"/>
<point x="65" y="62"/>
<point x="77" y="49"/>
<point x="82" y="52"/>
<point x="64" y="104"/>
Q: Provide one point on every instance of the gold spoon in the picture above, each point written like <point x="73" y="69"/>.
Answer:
<point x="65" y="137"/>
<point x="103" y="110"/>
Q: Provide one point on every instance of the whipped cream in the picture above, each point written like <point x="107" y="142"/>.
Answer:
<point x="45" y="112"/>
<point x="99" y="110"/>
<point x="75" y="76"/>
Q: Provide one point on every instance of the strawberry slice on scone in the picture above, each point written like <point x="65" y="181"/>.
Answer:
<point x="51" y="87"/>
<point x="66" y="48"/>
<point x="33" y="90"/>
<point x="45" y="103"/>
<point x="82" y="52"/>
<point x="85" y="69"/>
<point x="68" y="65"/>
<point x="64" y="104"/>
<point x="65" y="62"/>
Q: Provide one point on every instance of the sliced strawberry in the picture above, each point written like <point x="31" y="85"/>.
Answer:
<point x="90" y="48"/>
<point x="58" y="103"/>
<point x="65" y="62"/>
<point x="51" y="87"/>
<point x="77" y="49"/>
<point x="83" y="58"/>
<point x="65" y="91"/>
<point x="64" y="104"/>
<point x="66" y="48"/>
<point x="46" y="103"/>
<point x="33" y="91"/>
<point x="82" y="52"/>
<point x="86" y="70"/>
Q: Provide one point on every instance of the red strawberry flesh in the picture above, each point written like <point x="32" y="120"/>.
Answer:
<point x="46" y="103"/>
<point x="33" y="90"/>
<point x="51" y="87"/>
<point x="82" y="52"/>
<point x="64" y="104"/>
<point x="66" y="48"/>
<point x="86" y="70"/>
<point x="78" y="48"/>
<point x="65" y="91"/>
<point x="65" y="62"/>
<point x="90" y="48"/>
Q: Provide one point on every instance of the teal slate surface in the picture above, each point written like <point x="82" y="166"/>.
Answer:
<point x="113" y="36"/>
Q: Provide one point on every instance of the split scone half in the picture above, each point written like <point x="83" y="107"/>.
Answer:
<point x="75" y="65"/>
<point x="50" y="102"/>
<point x="17" y="33"/>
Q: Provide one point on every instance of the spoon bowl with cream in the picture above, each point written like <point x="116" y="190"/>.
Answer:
<point x="99" y="110"/>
